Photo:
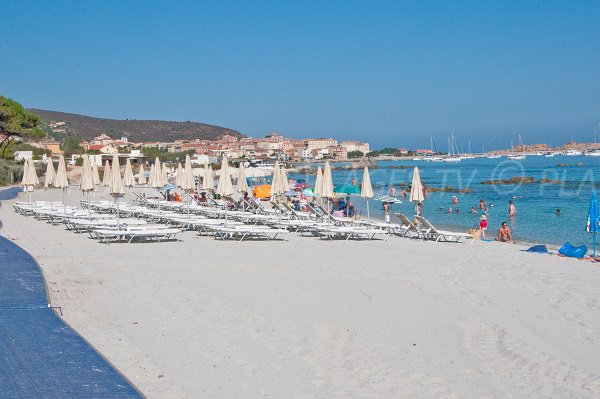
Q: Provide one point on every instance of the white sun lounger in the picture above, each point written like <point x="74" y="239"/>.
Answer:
<point x="348" y="232"/>
<point x="441" y="235"/>
<point x="243" y="232"/>
<point x="107" y="236"/>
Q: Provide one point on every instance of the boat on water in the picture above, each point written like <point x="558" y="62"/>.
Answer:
<point x="595" y="153"/>
<point x="573" y="153"/>
<point x="452" y="159"/>
<point x="516" y="157"/>
<point x="494" y="156"/>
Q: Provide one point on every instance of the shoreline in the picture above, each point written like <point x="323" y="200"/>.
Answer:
<point x="206" y="318"/>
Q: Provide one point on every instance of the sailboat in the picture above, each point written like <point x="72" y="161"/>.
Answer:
<point x="452" y="155"/>
<point x="469" y="155"/>
<point x="520" y="156"/>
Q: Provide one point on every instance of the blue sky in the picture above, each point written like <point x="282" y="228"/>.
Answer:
<point x="393" y="73"/>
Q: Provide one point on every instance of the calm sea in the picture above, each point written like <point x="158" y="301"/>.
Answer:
<point x="536" y="203"/>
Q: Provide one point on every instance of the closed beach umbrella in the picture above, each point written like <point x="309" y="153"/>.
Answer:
<point x="276" y="188"/>
<point x="49" y="180"/>
<point x="592" y="222"/>
<point x="164" y="176"/>
<point x="416" y="189"/>
<point x="327" y="189"/>
<point x="61" y="181"/>
<point x="366" y="189"/>
<point x="30" y="178"/>
<point x="188" y="182"/>
<point x="179" y="175"/>
<point x="155" y="173"/>
<point x="208" y="183"/>
<point x="242" y="186"/>
<point x="225" y="187"/>
<point x="115" y="186"/>
<point x="141" y="175"/>
<point x="319" y="182"/>
<point x="283" y="180"/>
<point x="106" y="174"/>
<point x="86" y="183"/>
<point x="50" y="174"/>
<point x="128" y="179"/>
<point x="96" y="174"/>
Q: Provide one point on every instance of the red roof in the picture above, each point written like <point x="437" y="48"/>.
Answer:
<point x="95" y="147"/>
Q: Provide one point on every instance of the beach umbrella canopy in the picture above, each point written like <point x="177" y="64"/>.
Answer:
<point x="179" y="174"/>
<point x="262" y="191"/>
<point x="416" y="189"/>
<point x="115" y="183"/>
<point x="225" y="187"/>
<point x="366" y="189"/>
<point x="208" y="182"/>
<point x="592" y="222"/>
<point x="283" y="180"/>
<point x="50" y="174"/>
<point x="30" y="178"/>
<point x="242" y="186"/>
<point x="128" y="179"/>
<point x="155" y="174"/>
<point x="276" y="186"/>
<point x="187" y="179"/>
<point x="346" y="189"/>
<point x="141" y="175"/>
<point x="164" y="176"/>
<point x="106" y="174"/>
<point x="308" y="192"/>
<point x="327" y="190"/>
<point x="96" y="174"/>
<point x="86" y="183"/>
<point x="60" y="180"/>
<point x="319" y="182"/>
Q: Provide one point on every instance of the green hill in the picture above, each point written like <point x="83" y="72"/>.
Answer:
<point x="136" y="130"/>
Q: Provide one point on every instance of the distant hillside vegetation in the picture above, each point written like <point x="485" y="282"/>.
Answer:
<point x="136" y="130"/>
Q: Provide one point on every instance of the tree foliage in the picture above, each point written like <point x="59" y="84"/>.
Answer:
<point x="165" y="156"/>
<point x="16" y="120"/>
<point x="356" y="154"/>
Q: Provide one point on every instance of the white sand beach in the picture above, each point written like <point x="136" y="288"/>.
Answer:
<point x="309" y="318"/>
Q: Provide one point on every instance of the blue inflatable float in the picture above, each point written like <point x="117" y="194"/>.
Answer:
<point x="573" y="252"/>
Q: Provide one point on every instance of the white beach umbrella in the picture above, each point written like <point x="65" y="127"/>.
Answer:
<point x="179" y="175"/>
<point x="187" y="181"/>
<point x="50" y="174"/>
<point x="164" y="175"/>
<point x="276" y="187"/>
<point x="366" y="189"/>
<point x="416" y="189"/>
<point x="141" y="175"/>
<point x="319" y="182"/>
<point x="49" y="180"/>
<point x="242" y="186"/>
<point x="225" y="187"/>
<point x="106" y="174"/>
<point x="155" y="174"/>
<point x="61" y="181"/>
<point x="30" y="178"/>
<point x="283" y="180"/>
<point x="208" y="183"/>
<point x="86" y="182"/>
<point x="96" y="174"/>
<point x="128" y="179"/>
<point x="115" y="186"/>
<point x="327" y="189"/>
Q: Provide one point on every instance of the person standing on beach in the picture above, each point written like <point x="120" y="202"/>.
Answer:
<point x="386" y="212"/>
<point x="483" y="225"/>
<point x="512" y="210"/>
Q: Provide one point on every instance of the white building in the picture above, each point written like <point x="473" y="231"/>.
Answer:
<point x="23" y="155"/>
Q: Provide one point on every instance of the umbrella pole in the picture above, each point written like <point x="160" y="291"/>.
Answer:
<point x="118" y="223"/>
<point x="51" y="203"/>
<point x="368" y="215"/>
<point x="64" y="200"/>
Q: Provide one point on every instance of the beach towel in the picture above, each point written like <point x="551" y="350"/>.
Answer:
<point x="573" y="252"/>
<point x="538" y="249"/>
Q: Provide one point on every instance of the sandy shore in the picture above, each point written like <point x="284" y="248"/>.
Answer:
<point x="315" y="319"/>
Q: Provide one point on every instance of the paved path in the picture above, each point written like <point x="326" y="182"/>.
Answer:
<point x="41" y="356"/>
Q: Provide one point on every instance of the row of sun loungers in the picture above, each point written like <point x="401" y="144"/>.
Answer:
<point x="151" y="220"/>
